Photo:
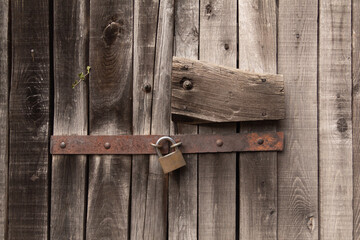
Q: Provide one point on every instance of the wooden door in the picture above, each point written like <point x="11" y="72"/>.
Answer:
<point x="308" y="191"/>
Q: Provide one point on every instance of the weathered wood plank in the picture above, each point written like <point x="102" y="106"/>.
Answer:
<point x="4" y="107"/>
<point x="224" y="94"/>
<point x="157" y="183"/>
<point x="186" y="30"/>
<point x="298" y="163"/>
<point x="335" y="127"/>
<point x="70" y="117"/>
<point x="356" y="113"/>
<point x="183" y="182"/>
<point x="145" y="26"/>
<point x="258" y="171"/>
<point x="111" y="40"/>
<point x="217" y="172"/>
<point x="29" y="120"/>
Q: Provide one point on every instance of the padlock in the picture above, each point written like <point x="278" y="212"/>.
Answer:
<point x="171" y="161"/>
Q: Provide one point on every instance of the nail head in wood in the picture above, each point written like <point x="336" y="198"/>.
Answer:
<point x="187" y="85"/>
<point x="185" y="67"/>
<point x="147" y="87"/>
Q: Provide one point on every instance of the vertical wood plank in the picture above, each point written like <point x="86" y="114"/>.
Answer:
<point x="356" y="113"/>
<point x="4" y="103"/>
<point x="258" y="171"/>
<point x="70" y="117"/>
<point x="217" y="172"/>
<point x="145" y="27"/>
<point x="111" y="42"/>
<point x="335" y="127"/>
<point x="157" y="184"/>
<point x="183" y="182"/>
<point x="298" y="163"/>
<point x="29" y="120"/>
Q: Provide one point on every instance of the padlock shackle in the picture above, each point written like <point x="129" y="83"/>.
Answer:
<point x="157" y="148"/>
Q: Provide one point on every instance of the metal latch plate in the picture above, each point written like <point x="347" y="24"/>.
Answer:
<point x="140" y="144"/>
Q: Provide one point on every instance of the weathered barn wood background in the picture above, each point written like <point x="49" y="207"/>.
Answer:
<point x="311" y="190"/>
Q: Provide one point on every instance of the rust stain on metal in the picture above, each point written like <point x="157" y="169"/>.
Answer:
<point x="140" y="144"/>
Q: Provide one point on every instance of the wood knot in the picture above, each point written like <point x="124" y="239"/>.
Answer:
<point x="342" y="125"/>
<point x="34" y="100"/>
<point x="310" y="223"/>
<point x="209" y="9"/>
<point x="195" y="32"/>
<point x="356" y="88"/>
<point x="111" y="32"/>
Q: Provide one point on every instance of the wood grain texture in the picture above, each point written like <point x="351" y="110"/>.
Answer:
<point x="258" y="171"/>
<point x="217" y="172"/>
<point x="70" y="117"/>
<point x="29" y="120"/>
<point x="183" y="182"/>
<point x="224" y="94"/>
<point x="157" y="183"/>
<point x="335" y="127"/>
<point x="4" y="108"/>
<point x="111" y="42"/>
<point x="145" y="26"/>
<point x="356" y="113"/>
<point x="298" y="216"/>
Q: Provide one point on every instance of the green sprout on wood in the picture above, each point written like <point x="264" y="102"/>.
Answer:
<point x="81" y="77"/>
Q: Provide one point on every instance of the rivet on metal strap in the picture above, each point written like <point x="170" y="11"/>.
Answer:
<point x="63" y="145"/>
<point x="107" y="145"/>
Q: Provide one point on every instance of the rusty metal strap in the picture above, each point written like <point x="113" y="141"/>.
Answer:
<point x="140" y="144"/>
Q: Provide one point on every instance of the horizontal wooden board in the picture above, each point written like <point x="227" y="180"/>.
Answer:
<point x="224" y="94"/>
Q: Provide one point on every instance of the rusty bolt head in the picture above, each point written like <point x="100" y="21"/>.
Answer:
<point x="107" y="145"/>
<point x="187" y="85"/>
<point x="63" y="145"/>
<point x="219" y="142"/>
<point x="260" y="141"/>
<point x="185" y="67"/>
<point x="147" y="87"/>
